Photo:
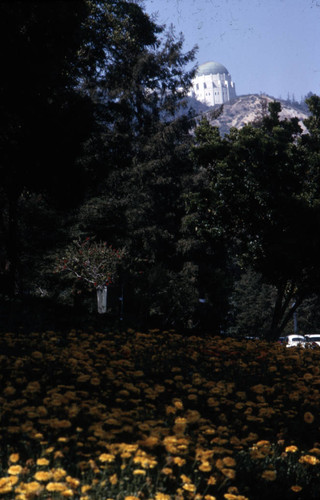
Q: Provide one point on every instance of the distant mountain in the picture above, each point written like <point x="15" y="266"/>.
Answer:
<point x="246" y="109"/>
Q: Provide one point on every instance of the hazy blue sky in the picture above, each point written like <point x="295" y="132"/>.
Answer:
<point x="270" y="46"/>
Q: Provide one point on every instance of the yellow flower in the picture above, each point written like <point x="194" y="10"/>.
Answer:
<point x="179" y="461"/>
<point x="113" y="479"/>
<point x="269" y="475"/>
<point x="189" y="487"/>
<point x="14" y="470"/>
<point x="230" y="496"/>
<point x="14" y="457"/>
<point x="33" y="386"/>
<point x="8" y="481"/>
<point x="170" y="410"/>
<point x="178" y="404"/>
<point x="106" y="457"/>
<point x="9" y="390"/>
<point x="296" y="488"/>
<point x="309" y="459"/>
<point x="151" y="441"/>
<point x="6" y="488"/>
<point x="211" y="481"/>
<point x="95" y="381"/>
<point x="185" y="478"/>
<point x="131" y="498"/>
<point x="166" y="471"/>
<point x="53" y="486"/>
<point x="205" y="466"/>
<point x="192" y="397"/>
<point x="229" y="461"/>
<point x="29" y="489"/>
<point x="49" y="450"/>
<point x="42" y="476"/>
<point x="67" y="493"/>
<point x="43" y="461"/>
<point x="229" y="473"/>
<point x="162" y="496"/>
<point x="58" y="474"/>
<point x="140" y="472"/>
<point x="308" y="417"/>
<point x="291" y="449"/>
<point x="85" y="488"/>
<point x="73" y="482"/>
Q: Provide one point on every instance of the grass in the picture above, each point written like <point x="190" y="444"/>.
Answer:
<point x="156" y="415"/>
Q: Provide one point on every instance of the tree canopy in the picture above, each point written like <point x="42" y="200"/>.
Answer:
<point x="261" y="199"/>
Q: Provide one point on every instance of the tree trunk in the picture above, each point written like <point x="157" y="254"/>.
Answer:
<point x="282" y="312"/>
<point x="11" y="239"/>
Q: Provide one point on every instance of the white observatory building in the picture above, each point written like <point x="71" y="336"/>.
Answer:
<point x="212" y="84"/>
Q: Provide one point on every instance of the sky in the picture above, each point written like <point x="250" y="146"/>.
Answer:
<point x="268" y="46"/>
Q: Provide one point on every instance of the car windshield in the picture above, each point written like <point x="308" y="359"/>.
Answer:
<point x="298" y="339"/>
<point x="316" y="337"/>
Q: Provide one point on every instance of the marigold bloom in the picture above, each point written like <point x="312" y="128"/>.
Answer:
<point x="178" y="404"/>
<point x="189" y="487"/>
<point x="33" y="386"/>
<point x="8" y="481"/>
<point x="43" y="461"/>
<point x="229" y="461"/>
<point x="6" y="488"/>
<point x="151" y="441"/>
<point x="179" y="461"/>
<point x="43" y="475"/>
<point x="28" y="490"/>
<point x="113" y="479"/>
<point x="166" y="471"/>
<point x="229" y="473"/>
<point x="309" y="459"/>
<point x="72" y="481"/>
<point x="14" y="470"/>
<point x="269" y="475"/>
<point x="14" y="457"/>
<point x="161" y="496"/>
<point x="291" y="449"/>
<point x="85" y="488"/>
<point x="54" y="486"/>
<point x="205" y="466"/>
<point x="211" y="481"/>
<point x="106" y="457"/>
<point x="58" y="473"/>
<point x="308" y="417"/>
<point x="95" y="381"/>
<point x="139" y="472"/>
<point x="296" y="488"/>
<point x="67" y="493"/>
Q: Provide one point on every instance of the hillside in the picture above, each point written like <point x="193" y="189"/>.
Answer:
<point x="247" y="109"/>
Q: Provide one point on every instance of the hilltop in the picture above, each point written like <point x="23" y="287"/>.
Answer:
<point x="247" y="109"/>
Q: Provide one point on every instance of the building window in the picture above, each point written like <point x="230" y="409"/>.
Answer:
<point x="197" y="86"/>
<point x="204" y="85"/>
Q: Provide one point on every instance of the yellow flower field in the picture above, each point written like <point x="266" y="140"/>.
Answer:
<point x="157" y="415"/>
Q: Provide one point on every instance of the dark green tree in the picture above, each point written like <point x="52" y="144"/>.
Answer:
<point x="98" y="79"/>
<point x="140" y="158"/>
<point x="44" y="119"/>
<point x="260" y="198"/>
<point x="202" y="241"/>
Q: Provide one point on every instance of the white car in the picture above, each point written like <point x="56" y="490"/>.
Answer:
<point x="295" y="341"/>
<point x="313" y="339"/>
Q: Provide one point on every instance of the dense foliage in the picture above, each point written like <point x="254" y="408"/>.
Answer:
<point x="96" y="143"/>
